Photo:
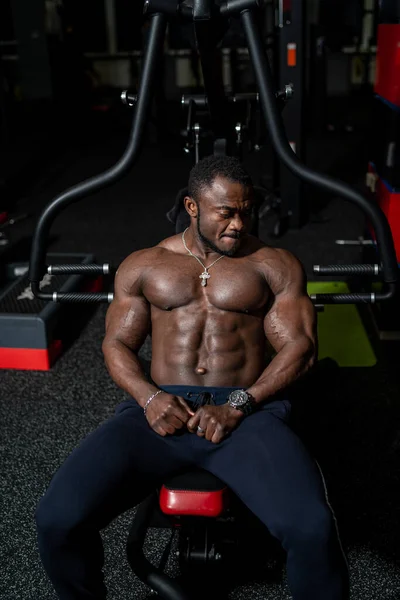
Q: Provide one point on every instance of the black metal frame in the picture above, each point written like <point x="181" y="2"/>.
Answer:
<point x="152" y="576"/>
<point x="209" y="21"/>
<point x="200" y="540"/>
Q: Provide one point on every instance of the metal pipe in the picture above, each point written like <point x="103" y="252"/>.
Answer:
<point x="152" y="576"/>
<point x="231" y="7"/>
<point x="39" y="244"/>
<point x="167" y="7"/>
<point x="355" y="298"/>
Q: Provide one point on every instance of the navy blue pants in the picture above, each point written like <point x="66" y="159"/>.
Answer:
<point x="120" y="463"/>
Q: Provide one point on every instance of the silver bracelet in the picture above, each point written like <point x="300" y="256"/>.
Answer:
<point x="150" y="399"/>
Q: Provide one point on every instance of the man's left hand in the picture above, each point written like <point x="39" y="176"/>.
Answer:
<point x="215" y="422"/>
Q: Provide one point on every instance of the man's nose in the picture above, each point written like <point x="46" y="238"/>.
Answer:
<point x="237" y="224"/>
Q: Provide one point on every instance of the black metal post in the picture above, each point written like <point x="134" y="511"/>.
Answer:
<point x="291" y="68"/>
<point x="208" y="32"/>
<point x="317" y="95"/>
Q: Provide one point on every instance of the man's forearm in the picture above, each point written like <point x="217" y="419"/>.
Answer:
<point x="290" y="363"/>
<point x="126" y="370"/>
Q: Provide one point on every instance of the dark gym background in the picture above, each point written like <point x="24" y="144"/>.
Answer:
<point x="63" y="65"/>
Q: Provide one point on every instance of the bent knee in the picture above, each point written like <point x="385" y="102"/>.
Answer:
<point x="54" y="519"/>
<point x="318" y="527"/>
<point x="314" y="527"/>
<point x="47" y="516"/>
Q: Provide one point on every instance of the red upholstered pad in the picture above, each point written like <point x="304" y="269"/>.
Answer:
<point x="197" y="493"/>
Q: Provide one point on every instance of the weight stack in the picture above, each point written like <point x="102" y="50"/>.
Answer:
<point x="385" y="147"/>
<point x="33" y="332"/>
<point x="384" y="166"/>
<point x="389" y="202"/>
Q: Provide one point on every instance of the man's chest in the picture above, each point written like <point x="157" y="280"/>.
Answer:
<point x="224" y="286"/>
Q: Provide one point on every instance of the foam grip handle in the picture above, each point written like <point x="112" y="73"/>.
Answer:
<point x="78" y="269"/>
<point x="342" y="298"/>
<point x="347" y="269"/>
<point x="83" y="297"/>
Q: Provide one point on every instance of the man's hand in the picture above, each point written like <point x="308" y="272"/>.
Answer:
<point x="215" y="422"/>
<point x="167" y="413"/>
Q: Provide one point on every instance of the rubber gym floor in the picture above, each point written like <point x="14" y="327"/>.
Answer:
<point x="349" y="416"/>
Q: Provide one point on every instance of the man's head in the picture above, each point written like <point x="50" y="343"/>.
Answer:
<point x="220" y="201"/>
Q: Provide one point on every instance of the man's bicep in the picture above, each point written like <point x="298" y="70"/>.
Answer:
<point x="128" y="322"/>
<point x="290" y="319"/>
<point x="291" y="316"/>
<point x="128" y="318"/>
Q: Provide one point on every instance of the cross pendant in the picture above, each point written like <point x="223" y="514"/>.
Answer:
<point x="204" y="276"/>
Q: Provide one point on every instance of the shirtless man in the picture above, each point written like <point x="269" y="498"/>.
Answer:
<point x="212" y="299"/>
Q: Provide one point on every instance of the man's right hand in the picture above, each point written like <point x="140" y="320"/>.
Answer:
<point x="168" y="413"/>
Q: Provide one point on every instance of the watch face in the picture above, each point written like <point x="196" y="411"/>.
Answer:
<point x="238" y="397"/>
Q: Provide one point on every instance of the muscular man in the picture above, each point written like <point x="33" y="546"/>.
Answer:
<point x="213" y="300"/>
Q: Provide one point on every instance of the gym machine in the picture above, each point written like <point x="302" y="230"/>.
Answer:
<point x="197" y="522"/>
<point x="207" y="18"/>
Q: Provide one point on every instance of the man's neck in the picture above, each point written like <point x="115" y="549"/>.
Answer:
<point x="198" y="247"/>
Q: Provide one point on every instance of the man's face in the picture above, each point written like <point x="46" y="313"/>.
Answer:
<point x="224" y="215"/>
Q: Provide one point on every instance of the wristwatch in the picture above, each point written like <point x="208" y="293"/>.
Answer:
<point x="242" y="400"/>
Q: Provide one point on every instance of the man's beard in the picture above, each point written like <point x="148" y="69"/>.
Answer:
<point x="209" y="244"/>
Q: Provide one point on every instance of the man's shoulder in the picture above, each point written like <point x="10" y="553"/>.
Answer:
<point x="278" y="266"/>
<point x="272" y="256"/>
<point x="139" y="258"/>
<point x="134" y="267"/>
<point x="146" y="256"/>
<point x="173" y="243"/>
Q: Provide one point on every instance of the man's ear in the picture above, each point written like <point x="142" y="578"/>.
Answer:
<point x="191" y="206"/>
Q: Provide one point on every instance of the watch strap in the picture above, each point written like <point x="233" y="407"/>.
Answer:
<point x="248" y="408"/>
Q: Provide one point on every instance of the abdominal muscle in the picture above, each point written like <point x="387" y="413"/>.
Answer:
<point x="207" y="348"/>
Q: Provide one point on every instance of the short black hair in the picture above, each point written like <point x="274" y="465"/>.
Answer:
<point x="207" y="169"/>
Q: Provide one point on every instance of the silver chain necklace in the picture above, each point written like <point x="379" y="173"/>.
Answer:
<point x="205" y="275"/>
